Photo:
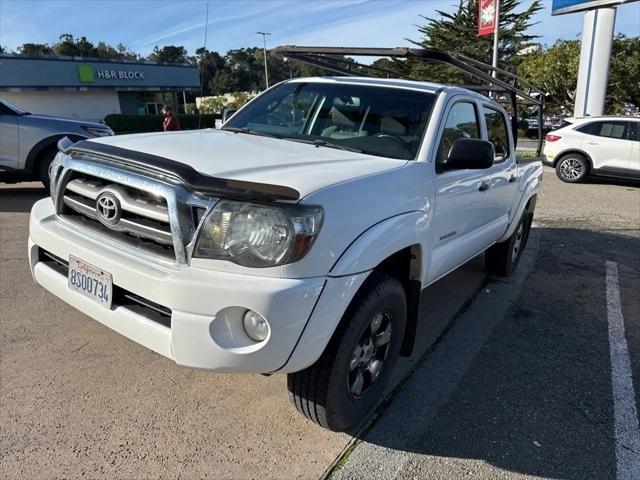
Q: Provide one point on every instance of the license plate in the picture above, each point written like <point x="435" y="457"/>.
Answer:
<point x="90" y="281"/>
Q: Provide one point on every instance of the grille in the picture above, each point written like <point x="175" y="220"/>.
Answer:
<point x="143" y="217"/>
<point x="155" y="216"/>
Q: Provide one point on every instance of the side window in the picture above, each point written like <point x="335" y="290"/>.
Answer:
<point x="590" y="128"/>
<point x="617" y="130"/>
<point x="497" y="132"/>
<point x="4" y="110"/>
<point x="462" y="122"/>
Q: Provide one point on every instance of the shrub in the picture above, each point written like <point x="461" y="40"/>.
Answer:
<point x="153" y="123"/>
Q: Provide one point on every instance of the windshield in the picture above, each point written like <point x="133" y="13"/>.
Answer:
<point x="381" y="121"/>
<point x="17" y="110"/>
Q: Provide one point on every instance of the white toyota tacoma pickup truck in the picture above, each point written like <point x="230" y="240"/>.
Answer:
<point x="296" y="239"/>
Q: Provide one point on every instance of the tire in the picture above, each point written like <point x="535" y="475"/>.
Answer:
<point x="502" y="258"/>
<point x="327" y="392"/>
<point x="43" y="166"/>
<point x="572" y="168"/>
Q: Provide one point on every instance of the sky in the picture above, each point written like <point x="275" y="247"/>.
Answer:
<point x="142" y="24"/>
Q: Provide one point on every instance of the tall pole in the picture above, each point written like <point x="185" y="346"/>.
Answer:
<point x="202" y="64"/>
<point x="495" y="38"/>
<point x="264" y="48"/>
<point x="595" y="55"/>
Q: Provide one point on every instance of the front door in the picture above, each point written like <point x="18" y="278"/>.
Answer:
<point x="462" y="209"/>
<point x="9" y="138"/>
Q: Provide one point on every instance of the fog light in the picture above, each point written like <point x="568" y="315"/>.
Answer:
<point x="255" y="325"/>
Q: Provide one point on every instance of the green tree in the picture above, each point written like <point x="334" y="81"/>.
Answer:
<point x="555" y="70"/>
<point x="238" y="100"/>
<point x="34" y="49"/>
<point x="170" y="54"/>
<point x="624" y="71"/>
<point x="69" y="46"/>
<point x="125" y="53"/>
<point x="209" y="64"/>
<point x="458" y="32"/>
<point x="120" y="52"/>
<point x="85" y="47"/>
<point x="211" y="105"/>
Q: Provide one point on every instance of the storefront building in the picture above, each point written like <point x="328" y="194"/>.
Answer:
<point x="90" y="89"/>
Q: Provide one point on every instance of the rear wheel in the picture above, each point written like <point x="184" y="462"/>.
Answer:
<point x="346" y="383"/>
<point x="502" y="258"/>
<point x="43" y="165"/>
<point x="572" y="168"/>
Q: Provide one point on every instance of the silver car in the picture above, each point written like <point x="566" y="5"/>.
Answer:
<point x="28" y="142"/>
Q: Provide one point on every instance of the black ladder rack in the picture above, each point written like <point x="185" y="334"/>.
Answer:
<point x="494" y="80"/>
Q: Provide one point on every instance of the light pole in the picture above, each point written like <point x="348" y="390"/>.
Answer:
<point x="264" y="47"/>
<point x="496" y="31"/>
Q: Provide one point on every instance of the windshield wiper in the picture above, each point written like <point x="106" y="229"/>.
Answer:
<point x="319" y="142"/>
<point x="251" y="132"/>
<point x="323" y="143"/>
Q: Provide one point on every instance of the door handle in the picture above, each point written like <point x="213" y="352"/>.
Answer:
<point x="484" y="186"/>
<point x="593" y="143"/>
<point x="512" y="179"/>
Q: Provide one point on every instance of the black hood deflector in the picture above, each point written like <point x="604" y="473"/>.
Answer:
<point x="180" y="172"/>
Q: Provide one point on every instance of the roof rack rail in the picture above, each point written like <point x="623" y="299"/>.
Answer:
<point x="494" y="80"/>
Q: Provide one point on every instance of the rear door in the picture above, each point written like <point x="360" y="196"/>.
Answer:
<point x="9" y="138"/>
<point x="504" y="170"/>
<point x="606" y="142"/>
<point x="462" y="209"/>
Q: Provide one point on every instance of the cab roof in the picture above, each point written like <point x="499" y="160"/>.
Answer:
<point x="427" y="87"/>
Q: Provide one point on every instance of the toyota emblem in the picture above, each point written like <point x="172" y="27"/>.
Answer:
<point x="108" y="208"/>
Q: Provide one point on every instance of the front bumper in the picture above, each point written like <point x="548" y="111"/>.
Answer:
<point x="205" y="331"/>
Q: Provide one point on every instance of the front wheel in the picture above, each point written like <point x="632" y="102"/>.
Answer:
<point x="348" y="380"/>
<point x="43" y="166"/>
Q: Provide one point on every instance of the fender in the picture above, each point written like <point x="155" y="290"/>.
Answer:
<point x="381" y="241"/>
<point x="45" y="143"/>
<point x="572" y="150"/>
<point x="530" y="190"/>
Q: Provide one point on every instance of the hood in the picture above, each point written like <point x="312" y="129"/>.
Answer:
<point x="77" y="121"/>
<point x="253" y="158"/>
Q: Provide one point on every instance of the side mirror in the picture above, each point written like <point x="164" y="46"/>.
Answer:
<point x="227" y="113"/>
<point x="470" y="153"/>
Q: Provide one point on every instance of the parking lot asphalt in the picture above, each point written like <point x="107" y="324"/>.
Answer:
<point x="522" y="385"/>
<point x="518" y="386"/>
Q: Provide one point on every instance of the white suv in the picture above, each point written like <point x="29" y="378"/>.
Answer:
<point x="606" y="146"/>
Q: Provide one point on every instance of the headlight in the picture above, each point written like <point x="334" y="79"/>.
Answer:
<point x="54" y="170"/>
<point x="258" y="235"/>
<point x="97" y="131"/>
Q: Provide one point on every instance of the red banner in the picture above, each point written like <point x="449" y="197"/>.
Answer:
<point x="486" y="17"/>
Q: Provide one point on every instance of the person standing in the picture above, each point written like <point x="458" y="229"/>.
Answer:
<point x="170" y="122"/>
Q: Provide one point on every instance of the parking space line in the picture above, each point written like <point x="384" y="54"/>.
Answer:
<point x="627" y="432"/>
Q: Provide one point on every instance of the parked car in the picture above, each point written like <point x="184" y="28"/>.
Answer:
<point x="605" y="146"/>
<point x="297" y="238"/>
<point x="29" y="142"/>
